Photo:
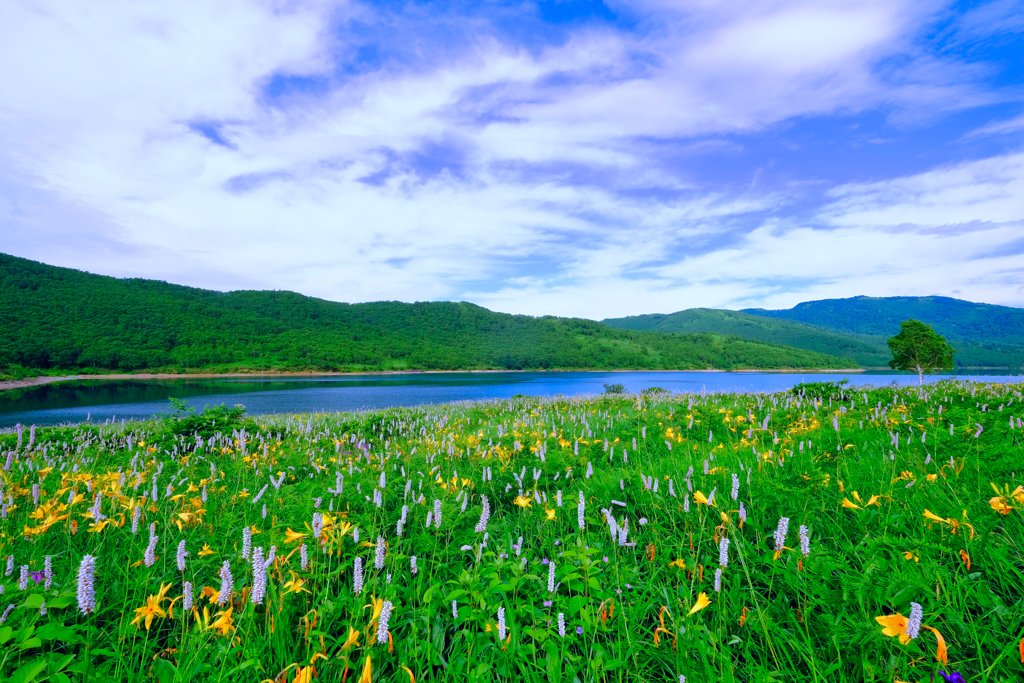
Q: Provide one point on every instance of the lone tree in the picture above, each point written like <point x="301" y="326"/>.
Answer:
<point x="918" y="348"/>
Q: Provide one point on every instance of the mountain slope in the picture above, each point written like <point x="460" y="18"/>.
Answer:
<point x="58" y="317"/>
<point x="983" y="334"/>
<point x="866" y="350"/>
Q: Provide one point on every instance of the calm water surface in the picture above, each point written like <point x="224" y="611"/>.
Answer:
<point x="100" y="399"/>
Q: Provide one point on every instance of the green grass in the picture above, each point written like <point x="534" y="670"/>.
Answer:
<point x="806" y="618"/>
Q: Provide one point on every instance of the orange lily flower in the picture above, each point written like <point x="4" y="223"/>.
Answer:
<point x="940" y="651"/>
<point x="894" y="625"/>
<point x="998" y="504"/>
<point x="662" y="629"/>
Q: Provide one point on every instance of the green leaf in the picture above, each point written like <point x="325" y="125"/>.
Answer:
<point x="242" y="667"/>
<point x="58" y="632"/>
<point x="165" y="671"/>
<point x="60" y="601"/>
<point x="34" y="601"/>
<point x="28" y="672"/>
<point x="61" y="664"/>
<point x="5" y="634"/>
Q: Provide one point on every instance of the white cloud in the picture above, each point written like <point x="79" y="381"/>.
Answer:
<point x="100" y="170"/>
<point x="985" y="190"/>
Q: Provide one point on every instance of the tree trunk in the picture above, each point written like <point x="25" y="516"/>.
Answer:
<point x="920" y="375"/>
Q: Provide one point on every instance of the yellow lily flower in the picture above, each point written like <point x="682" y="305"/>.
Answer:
<point x="702" y="602"/>
<point x="97" y="527"/>
<point x="224" y="623"/>
<point x="367" y="675"/>
<point x="342" y="528"/>
<point x="909" y="555"/>
<point x="550" y="514"/>
<point x="928" y="514"/>
<point x="678" y="563"/>
<point x="296" y="584"/>
<point x="700" y="498"/>
<point x="152" y="608"/>
<point x="523" y="501"/>
<point x="352" y="640"/>
<point x="376" y="604"/>
<point x="206" y="550"/>
<point x="293" y="536"/>
<point x="847" y="503"/>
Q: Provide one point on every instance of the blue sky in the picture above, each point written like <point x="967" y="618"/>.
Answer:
<point x="557" y="157"/>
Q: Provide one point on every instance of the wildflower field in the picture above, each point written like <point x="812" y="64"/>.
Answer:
<point x="829" y="534"/>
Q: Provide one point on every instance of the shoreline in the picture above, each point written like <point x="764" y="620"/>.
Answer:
<point x="6" y="385"/>
<point x="38" y="381"/>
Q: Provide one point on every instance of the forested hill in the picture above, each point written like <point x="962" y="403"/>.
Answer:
<point x="955" y="319"/>
<point x="858" y="328"/>
<point x="983" y="334"/>
<point x="867" y="351"/>
<point x="62" y="318"/>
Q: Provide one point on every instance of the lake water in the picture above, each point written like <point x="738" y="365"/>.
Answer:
<point x="100" y="400"/>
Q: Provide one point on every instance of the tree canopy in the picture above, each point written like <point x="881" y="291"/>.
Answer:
<point x="918" y="348"/>
<point x="62" y="318"/>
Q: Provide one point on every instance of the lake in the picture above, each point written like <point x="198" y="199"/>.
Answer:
<point x="100" y="400"/>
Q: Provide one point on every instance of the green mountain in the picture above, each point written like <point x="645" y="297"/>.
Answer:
<point x="983" y="334"/>
<point x="62" y="318"/>
<point x="858" y="328"/>
<point x="866" y="350"/>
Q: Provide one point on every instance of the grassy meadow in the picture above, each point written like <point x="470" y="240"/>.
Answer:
<point x="650" y="537"/>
